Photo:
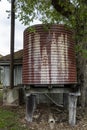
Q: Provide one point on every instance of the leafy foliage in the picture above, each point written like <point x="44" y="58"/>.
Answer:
<point x="44" y="10"/>
<point x="38" y="9"/>
<point x="71" y="12"/>
<point x="29" y="10"/>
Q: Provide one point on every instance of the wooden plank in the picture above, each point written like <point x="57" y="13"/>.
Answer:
<point x="46" y="90"/>
<point x="72" y="108"/>
<point x="30" y="107"/>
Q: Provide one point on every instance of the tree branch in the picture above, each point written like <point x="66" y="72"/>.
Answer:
<point x="64" y="7"/>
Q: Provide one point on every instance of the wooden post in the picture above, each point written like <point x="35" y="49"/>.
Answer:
<point x="12" y="44"/>
<point x="65" y="100"/>
<point x="72" y="108"/>
<point x="30" y="107"/>
<point x="21" y="96"/>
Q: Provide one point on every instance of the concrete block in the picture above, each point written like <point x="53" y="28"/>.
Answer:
<point x="10" y="97"/>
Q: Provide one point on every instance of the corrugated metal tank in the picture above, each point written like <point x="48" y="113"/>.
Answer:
<point x="49" y="56"/>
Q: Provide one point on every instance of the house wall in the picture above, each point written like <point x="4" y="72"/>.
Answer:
<point x="0" y="76"/>
<point x="5" y="76"/>
<point x="1" y="72"/>
<point x="11" y="96"/>
<point x="18" y="75"/>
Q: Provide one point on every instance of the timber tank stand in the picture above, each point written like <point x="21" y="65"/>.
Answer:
<point x="49" y="66"/>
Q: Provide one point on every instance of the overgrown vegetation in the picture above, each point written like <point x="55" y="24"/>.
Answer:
<point x="10" y="118"/>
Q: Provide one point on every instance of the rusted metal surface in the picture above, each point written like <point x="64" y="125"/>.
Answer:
<point x="49" y="56"/>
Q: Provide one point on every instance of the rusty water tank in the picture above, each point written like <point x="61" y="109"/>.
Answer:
<point x="49" y="56"/>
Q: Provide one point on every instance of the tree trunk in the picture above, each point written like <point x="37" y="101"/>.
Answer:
<point x="82" y="72"/>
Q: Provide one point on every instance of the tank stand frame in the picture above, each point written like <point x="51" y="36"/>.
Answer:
<point x="30" y="100"/>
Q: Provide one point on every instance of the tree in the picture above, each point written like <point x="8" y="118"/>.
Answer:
<point x="70" y="12"/>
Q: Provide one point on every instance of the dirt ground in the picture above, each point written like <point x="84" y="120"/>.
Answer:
<point x="59" y="119"/>
<point x="44" y="112"/>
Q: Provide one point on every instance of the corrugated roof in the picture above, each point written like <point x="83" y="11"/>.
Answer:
<point x="18" y="56"/>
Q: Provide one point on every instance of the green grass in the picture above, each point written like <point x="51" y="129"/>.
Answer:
<point x="10" y="120"/>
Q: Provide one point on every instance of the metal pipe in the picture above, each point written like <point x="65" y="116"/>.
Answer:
<point x="12" y="44"/>
<point x="51" y="121"/>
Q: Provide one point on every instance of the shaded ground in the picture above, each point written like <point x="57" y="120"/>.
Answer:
<point x="12" y="118"/>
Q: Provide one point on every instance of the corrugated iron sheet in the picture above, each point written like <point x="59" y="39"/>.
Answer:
<point x="49" y="56"/>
